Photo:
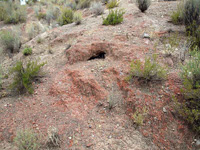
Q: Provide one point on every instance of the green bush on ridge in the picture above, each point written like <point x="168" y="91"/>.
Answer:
<point x="114" y="17"/>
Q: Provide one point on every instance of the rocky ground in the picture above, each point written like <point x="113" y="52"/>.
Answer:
<point x="78" y="91"/>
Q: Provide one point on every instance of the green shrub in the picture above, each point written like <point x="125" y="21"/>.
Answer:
<point x="52" y="13"/>
<point x="10" y="40"/>
<point x="2" y="11"/>
<point x="195" y="40"/>
<point x="97" y="8"/>
<point x="37" y="10"/>
<point x="171" y="44"/>
<point x="139" y="116"/>
<point x="84" y="4"/>
<point x="143" y="5"/>
<point x="177" y="16"/>
<point x="27" y="140"/>
<point x="41" y="16"/>
<point x="1" y="75"/>
<point x="105" y="1"/>
<point x="191" y="16"/>
<point x="14" y="13"/>
<point x="112" y="4"/>
<point x="190" y="108"/>
<point x="77" y="18"/>
<point x="114" y="17"/>
<point x="191" y="71"/>
<point x="66" y="17"/>
<point x="27" y="51"/>
<point x="72" y="5"/>
<point x="39" y="40"/>
<point x="33" y="29"/>
<point x="151" y="70"/>
<point x="24" y="76"/>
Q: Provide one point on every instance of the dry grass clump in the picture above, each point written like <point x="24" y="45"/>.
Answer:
<point x="97" y="8"/>
<point x="10" y="40"/>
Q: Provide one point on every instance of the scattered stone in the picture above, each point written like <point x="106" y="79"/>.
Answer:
<point x="89" y="144"/>
<point x="198" y="143"/>
<point x="164" y="110"/>
<point x="68" y="47"/>
<point x="145" y="35"/>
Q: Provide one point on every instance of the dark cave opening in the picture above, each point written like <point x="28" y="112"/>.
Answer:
<point x="98" y="55"/>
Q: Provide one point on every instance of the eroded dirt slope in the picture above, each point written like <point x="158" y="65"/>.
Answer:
<point x="77" y="91"/>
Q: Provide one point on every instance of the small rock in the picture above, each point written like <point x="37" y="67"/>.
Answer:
<point x="164" y="110"/>
<point x="198" y="142"/>
<point x="90" y="126"/>
<point x="155" y="119"/>
<point x="110" y="137"/>
<point x="89" y="144"/>
<point x="145" y="35"/>
<point x="70" y="138"/>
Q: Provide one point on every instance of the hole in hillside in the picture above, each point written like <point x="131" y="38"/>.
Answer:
<point x="99" y="55"/>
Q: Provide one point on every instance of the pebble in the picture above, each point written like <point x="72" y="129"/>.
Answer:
<point x="164" y="110"/>
<point x="145" y="35"/>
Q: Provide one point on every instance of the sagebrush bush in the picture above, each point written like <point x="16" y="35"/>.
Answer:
<point x="195" y="40"/>
<point x="27" y="140"/>
<point x="14" y="13"/>
<point x="66" y="16"/>
<point x="10" y="40"/>
<point x="97" y="8"/>
<point x="25" y="76"/>
<point x="171" y="44"/>
<point x="33" y="29"/>
<point x="112" y="4"/>
<point x="114" y="17"/>
<point x="39" y="40"/>
<point x="143" y="5"/>
<point x="27" y="51"/>
<point x="1" y="76"/>
<point x="84" y="4"/>
<point x="2" y="11"/>
<point x="104" y="1"/>
<point x="77" y="18"/>
<point x="52" y="13"/>
<point x="72" y="5"/>
<point x="41" y="15"/>
<point x="191" y="70"/>
<point x="190" y="108"/>
<point x="177" y="16"/>
<point x="148" y="71"/>
<point x="191" y="16"/>
<point x="36" y="10"/>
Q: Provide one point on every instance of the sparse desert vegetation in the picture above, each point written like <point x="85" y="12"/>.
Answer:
<point x="109" y="74"/>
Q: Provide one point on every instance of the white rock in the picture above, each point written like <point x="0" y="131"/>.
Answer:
<point x="145" y="35"/>
<point x="164" y="110"/>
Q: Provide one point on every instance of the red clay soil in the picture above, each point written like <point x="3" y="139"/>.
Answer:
<point x="74" y="97"/>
